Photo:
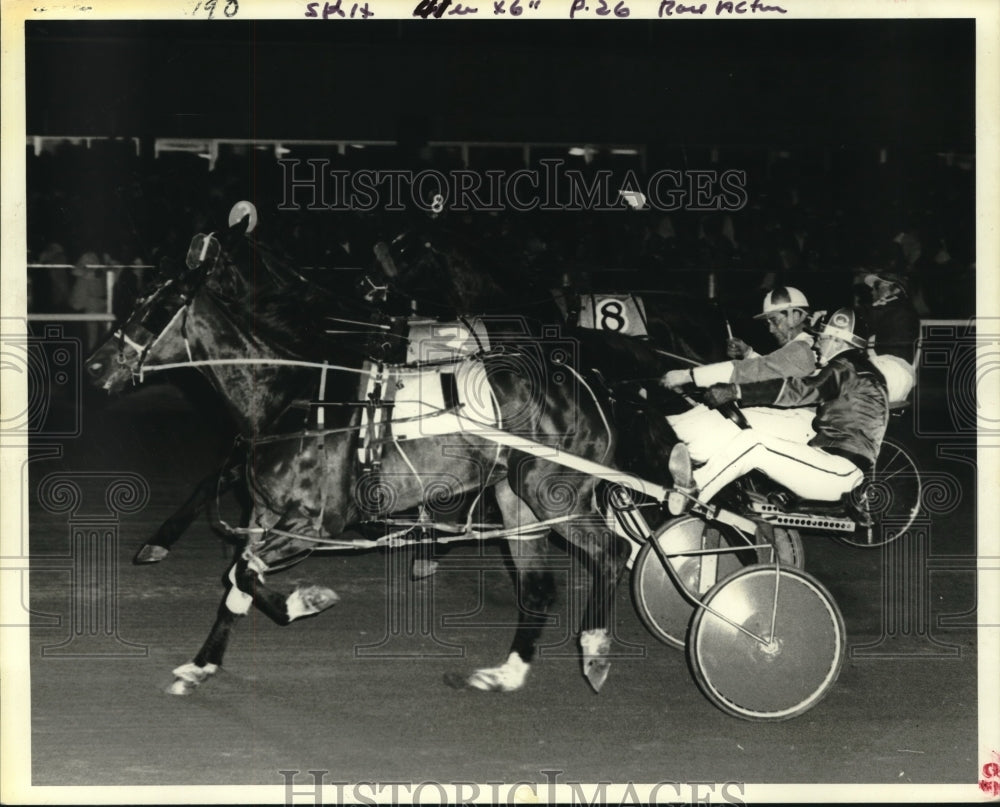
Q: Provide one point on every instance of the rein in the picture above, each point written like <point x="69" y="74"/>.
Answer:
<point x="395" y="539"/>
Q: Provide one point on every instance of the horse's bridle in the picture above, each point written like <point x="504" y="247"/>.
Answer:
<point x="142" y="351"/>
<point x="195" y="265"/>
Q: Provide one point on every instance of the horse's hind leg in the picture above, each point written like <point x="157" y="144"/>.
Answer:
<point x="536" y="592"/>
<point x="606" y="556"/>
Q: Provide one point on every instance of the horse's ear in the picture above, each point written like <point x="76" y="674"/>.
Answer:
<point x="385" y="260"/>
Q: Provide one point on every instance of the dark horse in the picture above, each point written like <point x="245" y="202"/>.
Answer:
<point x="257" y="337"/>
<point x="266" y="407"/>
<point x="436" y="271"/>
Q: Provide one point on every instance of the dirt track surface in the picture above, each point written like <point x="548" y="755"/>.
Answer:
<point x="358" y="691"/>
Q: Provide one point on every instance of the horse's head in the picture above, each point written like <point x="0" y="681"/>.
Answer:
<point x="407" y="270"/>
<point x="156" y="328"/>
<point x="120" y="359"/>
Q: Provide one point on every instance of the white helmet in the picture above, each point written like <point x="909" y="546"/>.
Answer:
<point x="783" y="298"/>
<point x="843" y="326"/>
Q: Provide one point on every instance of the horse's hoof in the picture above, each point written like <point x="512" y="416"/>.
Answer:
<point x="310" y="600"/>
<point x="508" y="677"/>
<point x="423" y="568"/>
<point x="150" y="553"/>
<point x="188" y="677"/>
<point x="596" y="645"/>
<point x="596" y="672"/>
<point x="181" y="687"/>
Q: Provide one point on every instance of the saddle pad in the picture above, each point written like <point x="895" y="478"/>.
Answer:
<point x="447" y="400"/>
<point x="431" y="341"/>
<point x="620" y="313"/>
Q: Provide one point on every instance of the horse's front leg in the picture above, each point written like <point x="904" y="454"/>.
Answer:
<point x="245" y="587"/>
<point x="536" y="593"/>
<point x="206" y="663"/>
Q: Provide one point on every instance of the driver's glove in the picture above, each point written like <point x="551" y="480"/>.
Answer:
<point x="737" y="349"/>
<point x="719" y="394"/>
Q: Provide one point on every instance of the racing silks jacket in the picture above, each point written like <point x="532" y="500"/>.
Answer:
<point x="794" y="359"/>
<point x="852" y="405"/>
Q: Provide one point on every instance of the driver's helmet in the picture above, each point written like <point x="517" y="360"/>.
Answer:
<point x="844" y="331"/>
<point x="783" y="298"/>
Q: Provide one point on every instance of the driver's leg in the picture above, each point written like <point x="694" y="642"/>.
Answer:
<point x="806" y="471"/>
<point x="794" y="425"/>
<point x="705" y="431"/>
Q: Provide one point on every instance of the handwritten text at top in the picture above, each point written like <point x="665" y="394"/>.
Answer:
<point x="436" y="9"/>
<point x="338" y="10"/>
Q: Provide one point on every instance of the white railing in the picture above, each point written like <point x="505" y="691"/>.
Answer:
<point x="109" y="284"/>
<point x="208" y="147"/>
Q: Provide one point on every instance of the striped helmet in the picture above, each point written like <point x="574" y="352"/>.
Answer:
<point x="783" y="298"/>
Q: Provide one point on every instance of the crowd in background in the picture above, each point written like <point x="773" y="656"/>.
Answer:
<point x="816" y="221"/>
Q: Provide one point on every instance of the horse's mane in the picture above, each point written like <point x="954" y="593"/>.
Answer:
<point x="279" y="307"/>
<point x="439" y="258"/>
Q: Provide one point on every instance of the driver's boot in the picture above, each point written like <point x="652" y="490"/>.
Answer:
<point x="682" y="496"/>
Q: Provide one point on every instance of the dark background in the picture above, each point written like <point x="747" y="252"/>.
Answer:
<point x="895" y="83"/>
<point x="850" y="133"/>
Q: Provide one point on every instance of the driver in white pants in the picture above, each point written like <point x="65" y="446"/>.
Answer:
<point x="786" y="310"/>
<point x="852" y="412"/>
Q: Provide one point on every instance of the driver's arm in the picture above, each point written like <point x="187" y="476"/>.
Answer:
<point x="793" y="360"/>
<point x="788" y="393"/>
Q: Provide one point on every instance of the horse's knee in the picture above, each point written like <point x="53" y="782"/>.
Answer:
<point x="238" y="601"/>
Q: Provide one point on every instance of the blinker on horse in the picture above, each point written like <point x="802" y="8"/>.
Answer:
<point x="246" y="334"/>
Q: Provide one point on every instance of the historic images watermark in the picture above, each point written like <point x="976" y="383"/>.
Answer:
<point x="314" y="185"/>
<point x="49" y="365"/>
<point x="316" y="786"/>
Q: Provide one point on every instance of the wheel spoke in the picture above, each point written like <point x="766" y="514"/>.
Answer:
<point x="784" y="676"/>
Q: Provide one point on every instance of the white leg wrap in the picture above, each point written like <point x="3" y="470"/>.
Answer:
<point x="189" y="676"/>
<point x="596" y="645"/>
<point x="507" y="677"/>
<point x="595" y="642"/>
<point x="307" y="601"/>
<point x="237" y="600"/>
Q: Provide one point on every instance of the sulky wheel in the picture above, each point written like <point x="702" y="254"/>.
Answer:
<point x="784" y="542"/>
<point x="661" y="606"/>
<point x="890" y="496"/>
<point x="770" y="675"/>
